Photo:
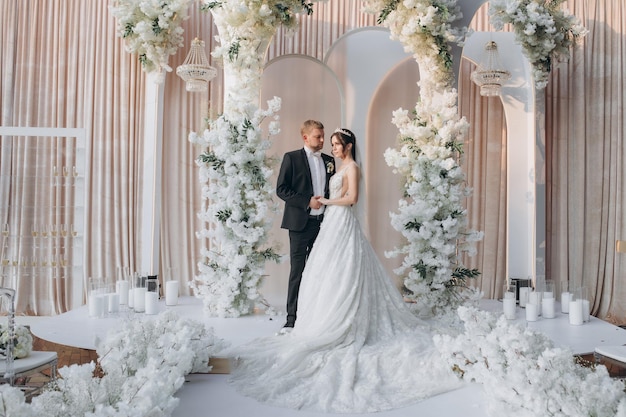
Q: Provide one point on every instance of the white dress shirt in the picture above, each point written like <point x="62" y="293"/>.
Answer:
<point x="318" y="176"/>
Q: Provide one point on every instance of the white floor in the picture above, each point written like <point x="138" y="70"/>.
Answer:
<point x="211" y="395"/>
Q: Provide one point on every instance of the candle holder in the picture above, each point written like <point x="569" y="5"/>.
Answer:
<point x="171" y="288"/>
<point x="576" y="308"/>
<point x="565" y="297"/>
<point x="152" y="295"/>
<point x="139" y="294"/>
<point x="509" y="302"/>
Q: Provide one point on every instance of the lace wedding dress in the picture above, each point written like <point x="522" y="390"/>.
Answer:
<point x="355" y="347"/>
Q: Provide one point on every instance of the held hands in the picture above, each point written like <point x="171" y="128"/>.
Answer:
<point x="323" y="201"/>
<point x="315" y="202"/>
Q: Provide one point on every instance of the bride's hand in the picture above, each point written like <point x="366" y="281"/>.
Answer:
<point x="323" y="200"/>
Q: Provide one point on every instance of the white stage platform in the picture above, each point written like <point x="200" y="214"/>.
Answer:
<point x="203" y="392"/>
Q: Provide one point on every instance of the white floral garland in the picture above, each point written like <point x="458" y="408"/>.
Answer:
<point x="524" y="374"/>
<point x="22" y="340"/>
<point x="142" y="366"/>
<point x="545" y="31"/>
<point x="236" y="174"/>
<point x="431" y="217"/>
<point x="152" y="30"/>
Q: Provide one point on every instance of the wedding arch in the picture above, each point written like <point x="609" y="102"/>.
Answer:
<point x="235" y="169"/>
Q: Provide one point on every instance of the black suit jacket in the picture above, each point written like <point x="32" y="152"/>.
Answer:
<point x="295" y="187"/>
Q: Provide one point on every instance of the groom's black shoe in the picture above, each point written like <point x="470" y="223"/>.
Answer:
<point x="287" y="328"/>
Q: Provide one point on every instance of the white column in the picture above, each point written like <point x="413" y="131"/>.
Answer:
<point x="151" y="187"/>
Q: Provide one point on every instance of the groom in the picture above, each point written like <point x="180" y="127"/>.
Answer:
<point x="302" y="179"/>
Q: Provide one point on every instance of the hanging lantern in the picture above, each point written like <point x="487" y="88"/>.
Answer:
<point x="196" y="71"/>
<point x="490" y="75"/>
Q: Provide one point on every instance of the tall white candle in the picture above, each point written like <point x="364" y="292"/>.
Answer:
<point x="151" y="300"/>
<point x="121" y="288"/>
<point x="523" y="296"/>
<point x="139" y="303"/>
<point x="547" y="308"/>
<point x="509" y="307"/>
<point x="96" y="305"/>
<point x="171" y="293"/>
<point x="565" y="298"/>
<point x="114" y="302"/>
<point x="131" y="298"/>
<point x="576" y="312"/>
<point x="532" y="312"/>
<point x="535" y="298"/>
<point x="586" y="311"/>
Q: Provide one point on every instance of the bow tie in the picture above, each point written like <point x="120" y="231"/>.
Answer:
<point x="318" y="153"/>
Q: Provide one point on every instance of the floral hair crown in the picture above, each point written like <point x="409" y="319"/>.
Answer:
<point x="343" y="132"/>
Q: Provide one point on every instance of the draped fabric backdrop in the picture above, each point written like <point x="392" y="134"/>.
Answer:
<point x="63" y="66"/>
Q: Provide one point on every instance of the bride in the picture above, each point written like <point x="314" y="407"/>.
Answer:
<point x="355" y="347"/>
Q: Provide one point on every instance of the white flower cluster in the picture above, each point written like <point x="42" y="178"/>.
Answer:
<point x="22" y="340"/>
<point x="142" y="366"/>
<point x="432" y="216"/>
<point x="425" y="29"/>
<point x="152" y="29"/>
<point x="545" y="31"/>
<point x="236" y="172"/>
<point x="524" y="374"/>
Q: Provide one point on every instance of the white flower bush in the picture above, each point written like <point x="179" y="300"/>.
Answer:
<point x="425" y="28"/>
<point x="234" y="168"/>
<point x="431" y="216"/>
<point x="152" y="30"/>
<point x="22" y="340"/>
<point x="139" y="369"/>
<point x="236" y="172"/>
<point x="524" y="374"/>
<point x="545" y="31"/>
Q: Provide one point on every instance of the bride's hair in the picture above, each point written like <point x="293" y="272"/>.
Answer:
<point x="346" y="136"/>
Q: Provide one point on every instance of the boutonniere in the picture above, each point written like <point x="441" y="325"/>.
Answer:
<point x="330" y="167"/>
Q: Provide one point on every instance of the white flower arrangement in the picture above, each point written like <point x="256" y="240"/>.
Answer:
<point x="432" y="217"/>
<point x="22" y="340"/>
<point x="544" y="30"/>
<point x="141" y="366"/>
<point x="236" y="171"/>
<point x="524" y="374"/>
<point x="152" y="30"/>
<point x="425" y="28"/>
<point x="234" y="168"/>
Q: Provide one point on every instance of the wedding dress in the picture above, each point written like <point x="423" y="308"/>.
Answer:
<point x="355" y="347"/>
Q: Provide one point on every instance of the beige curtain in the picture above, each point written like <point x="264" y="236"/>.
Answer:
<point x="63" y="66"/>
<point x="585" y="116"/>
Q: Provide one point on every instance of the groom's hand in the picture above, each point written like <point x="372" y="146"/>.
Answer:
<point x="315" y="202"/>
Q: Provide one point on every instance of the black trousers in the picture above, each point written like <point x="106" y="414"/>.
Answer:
<point x="300" y="244"/>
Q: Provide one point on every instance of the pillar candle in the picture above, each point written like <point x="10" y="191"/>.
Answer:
<point x="523" y="296"/>
<point x="96" y="305"/>
<point x="547" y="308"/>
<point x="140" y="299"/>
<point x="114" y="302"/>
<point x="131" y="298"/>
<point x="586" y="312"/>
<point x="509" y="307"/>
<point x="151" y="300"/>
<point x="565" y="297"/>
<point x="171" y="293"/>
<point x="532" y="312"/>
<point x="122" y="289"/>
<point x="576" y="312"/>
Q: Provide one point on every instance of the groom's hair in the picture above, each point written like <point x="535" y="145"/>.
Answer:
<point x="310" y="125"/>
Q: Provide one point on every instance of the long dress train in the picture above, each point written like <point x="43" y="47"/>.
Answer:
<point x="356" y="347"/>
